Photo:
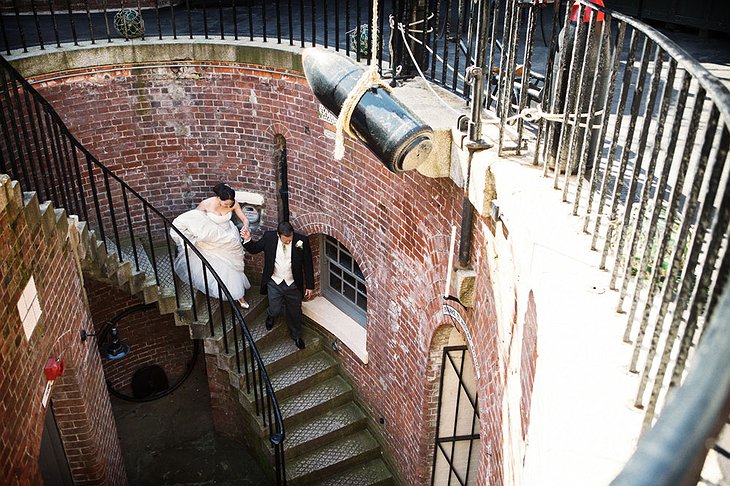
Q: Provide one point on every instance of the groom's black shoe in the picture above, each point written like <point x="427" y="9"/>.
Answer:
<point x="269" y="323"/>
<point x="300" y="343"/>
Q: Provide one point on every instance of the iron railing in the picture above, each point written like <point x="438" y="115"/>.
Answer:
<point x="439" y="36"/>
<point x="37" y="149"/>
<point x="673" y="451"/>
<point x="631" y="130"/>
<point x="651" y="179"/>
<point x="634" y="133"/>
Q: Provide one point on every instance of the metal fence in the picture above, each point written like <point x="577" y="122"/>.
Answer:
<point x="630" y="129"/>
<point x="634" y="132"/>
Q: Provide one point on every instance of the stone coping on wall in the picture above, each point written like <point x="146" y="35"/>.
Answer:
<point x="44" y="62"/>
<point x="583" y="426"/>
<point x="339" y="324"/>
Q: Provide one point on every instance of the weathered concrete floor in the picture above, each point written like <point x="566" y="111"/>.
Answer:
<point x="171" y="441"/>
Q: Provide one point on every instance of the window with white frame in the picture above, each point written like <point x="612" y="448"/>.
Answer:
<point x="343" y="283"/>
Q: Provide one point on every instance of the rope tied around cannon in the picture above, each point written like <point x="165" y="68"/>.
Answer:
<point x="370" y="79"/>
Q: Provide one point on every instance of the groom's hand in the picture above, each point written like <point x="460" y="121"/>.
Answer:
<point x="308" y="293"/>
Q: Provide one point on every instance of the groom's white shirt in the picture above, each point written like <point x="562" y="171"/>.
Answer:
<point x="282" y="264"/>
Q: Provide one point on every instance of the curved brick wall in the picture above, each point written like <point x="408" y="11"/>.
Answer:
<point x="173" y="132"/>
<point x="153" y="338"/>
<point x="78" y="399"/>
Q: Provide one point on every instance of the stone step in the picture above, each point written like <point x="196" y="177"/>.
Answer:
<point x="303" y="374"/>
<point x="283" y="353"/>
<point x="324" y="428"/>
<point x="32" y="208"/>
<point x="326" y="431"/>
<point x="312" y="367"/>
<point x="263" y="336"/>
<point x="253" y="320"/>
<point x="373" y="473"/>
<point x="276" y="356"/>
<point x="332" y="458"/>
<point x="315" y="401"/>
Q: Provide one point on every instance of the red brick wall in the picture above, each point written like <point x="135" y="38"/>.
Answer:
<point x="226" y="411"/>
<point x="79" y="398"/>
<point x="153" y="338"/>
<point x="173" y="133"/>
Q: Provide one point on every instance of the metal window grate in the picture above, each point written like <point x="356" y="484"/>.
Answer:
<point x="344" y="277"/>
<point x="457" y="448"/>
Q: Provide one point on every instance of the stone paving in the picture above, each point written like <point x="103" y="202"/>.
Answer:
<point x="171" y="441"/>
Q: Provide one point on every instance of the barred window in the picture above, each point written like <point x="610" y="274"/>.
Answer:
<point x="343" y="282"/>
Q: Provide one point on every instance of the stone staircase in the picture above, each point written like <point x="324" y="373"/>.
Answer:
<point x="328" y="441"/>
<point x="327" y="437"/>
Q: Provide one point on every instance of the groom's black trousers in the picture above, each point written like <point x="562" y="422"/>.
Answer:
<point x="289" y="297"/>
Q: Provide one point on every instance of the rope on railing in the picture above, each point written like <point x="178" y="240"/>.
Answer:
<point x="402" y="30"/>
<point x="527" y="114"/>
<point x="536" y="113"/>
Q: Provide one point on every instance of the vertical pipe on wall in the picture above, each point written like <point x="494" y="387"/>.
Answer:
<point x="475" y="132"/>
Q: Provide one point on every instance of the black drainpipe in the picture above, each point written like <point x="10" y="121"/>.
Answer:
<point x="476" y="73"/>
<point x="283" y="181"/>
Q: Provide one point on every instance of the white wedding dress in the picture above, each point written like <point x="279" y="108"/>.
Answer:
<point x="218" y="240"/>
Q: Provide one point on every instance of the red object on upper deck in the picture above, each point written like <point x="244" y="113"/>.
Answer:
<point x="586" y="12"/>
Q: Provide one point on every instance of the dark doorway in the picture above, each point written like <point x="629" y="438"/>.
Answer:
<point x="52" y="458"/>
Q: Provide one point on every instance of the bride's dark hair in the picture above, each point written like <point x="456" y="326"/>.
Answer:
<point x="224" y="192"/>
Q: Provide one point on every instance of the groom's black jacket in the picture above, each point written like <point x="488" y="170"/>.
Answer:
<point x="301" y="259"/>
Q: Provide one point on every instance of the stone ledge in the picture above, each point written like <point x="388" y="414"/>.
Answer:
<point x="339" y="324"/>
<point x="37" y="62"/>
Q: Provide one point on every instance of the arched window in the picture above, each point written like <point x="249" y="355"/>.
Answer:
<point x="282" y="183"/>
<point x="342" y="282"/>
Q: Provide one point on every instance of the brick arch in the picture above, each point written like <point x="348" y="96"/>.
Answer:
<point x="278" y="128"/>
<point x="327" y="224"/>
<point x="433" y="334"/>
<point x="438" y="247"/>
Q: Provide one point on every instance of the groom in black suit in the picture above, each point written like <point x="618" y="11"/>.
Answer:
<point x="288" y="274"/>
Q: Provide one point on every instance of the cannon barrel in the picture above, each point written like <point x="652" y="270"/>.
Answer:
<point x="390" y="130"/>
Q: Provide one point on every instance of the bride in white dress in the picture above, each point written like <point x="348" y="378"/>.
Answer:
<point x="210" y="229"/>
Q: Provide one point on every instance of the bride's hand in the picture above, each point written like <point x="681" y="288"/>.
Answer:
<point x="245" y="233"/>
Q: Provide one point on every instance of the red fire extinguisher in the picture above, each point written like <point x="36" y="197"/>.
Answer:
<point x="53" y="368"/>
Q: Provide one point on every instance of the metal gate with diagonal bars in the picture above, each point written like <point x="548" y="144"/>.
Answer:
<point x="456" y="452"/>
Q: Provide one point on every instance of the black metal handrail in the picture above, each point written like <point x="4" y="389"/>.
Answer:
<point x="38" y="150"/>
<point x="644" y="127"/>
<point x="673" y="451"/>
<point x="441" y="37"/>
<point x="664" y="217"/>
<point x="52" y="23"/>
